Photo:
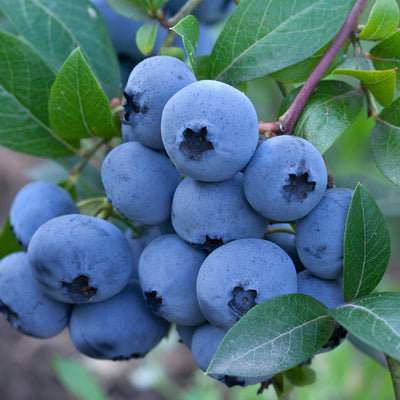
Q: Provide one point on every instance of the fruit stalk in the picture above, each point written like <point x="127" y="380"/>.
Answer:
<point x="394" y="368"/>
<point x="289" y="119"/>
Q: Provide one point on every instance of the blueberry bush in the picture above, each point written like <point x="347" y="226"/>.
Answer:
<point x="180" y="204"/>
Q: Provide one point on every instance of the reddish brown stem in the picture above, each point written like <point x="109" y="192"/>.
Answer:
<point x="289" y="119"/>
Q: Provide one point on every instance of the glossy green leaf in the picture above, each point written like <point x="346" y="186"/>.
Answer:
<point x="8" y="242"/>
<point x="383" y="20"/>
<point x="145" y="38"/>
<point x="382" y="84"/>
<point x="386" y="54"/>
<point x="130" y="9"/>
<point x="300" y="71"/>
<point x="374" y="319"/>
<point x="77" y="379"/>
<point x="330" y="111"/>
<point x="273" y="336"/>
<point x="172" y="51"/>
<point x="188" y="28"/>
<point x="385" y="142"/>
<point x="78" y="107"/>
<point x="264" y="36"/>
<point x="366" y="245"/>
<point x="25" y="82"/>
<point x="56" y="27"/>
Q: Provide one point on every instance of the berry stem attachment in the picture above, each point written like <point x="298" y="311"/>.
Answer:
<point x="289" y="119"/>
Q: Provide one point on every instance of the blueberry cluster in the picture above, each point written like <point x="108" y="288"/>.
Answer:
<point x="227" y="221"/>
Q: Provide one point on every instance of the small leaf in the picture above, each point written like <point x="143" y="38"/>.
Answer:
<point x="385" y="142"/>
<point x="273" y="336"/>
<point x="382" y="84"/>
<point x="188" y="28"/>
<point x="301" y="375"/>
<point x="77" y="379"/>
<point x="8" y="242"/>
<point x="264" y="36"/>
<point x="374" y="319"/>
<point x="78" y="107"/>
<point x="172" y="51"/>
<point x="146" y="37"/>
<point x="366" y="245"/>
<point x="130" y="9"/>
<point x="330" y="111"/>
<point x="25" y="82"/>
<point x="300" y="71"/>
<point x="386" y="54"/>
<point x="55" y="28"/>
<point x="383" y="20"/>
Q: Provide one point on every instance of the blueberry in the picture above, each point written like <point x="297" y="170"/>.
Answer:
<point x="36" y="203"/>
<point x="204" y="344"/>
<point x="78" y="258"/>
<point x="209" y="130"/>
<point x="212" y="213"/>
<point x="283" y="236"/>
<point x="327" y="291"/>
<point x="320" y="234"/>
<point x="241" y="274"/>
<point x="128" y="135"/>
<point x="119" y="328"/>
<point x="23" y="303"/>
<point x="285" y="179"/>
<point x="185" y="333"/>
<point x="168" y="269"/>
<point x="140" y="182"/>
<point x="150" y="85"/>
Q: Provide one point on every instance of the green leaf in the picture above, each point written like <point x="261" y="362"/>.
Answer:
<point x="263" y="36"/>
<point x="383" y="20"/>
<point x="273" y="336"/>
<point x="25" y="82"/>
<point x="146" y="37"/>
<point x="386" y="54"/>
<point x="382" y="84"/>
<point x="172" y="51"/>
<point x="366" y="245"/>
<point x="301" y="375"/>
<point x="374" y="319"/>
<point x="56" y="27"/>
<point x="78" y="107"/>
<point x="300" y="71"/>
<point x="8" y="242"/>
<point x="130" y="9"/>
<point x="188" y="28"/>
<point x="330" y="111"/>
<point x="77" y="379"/>
<point x="385" y="142"/>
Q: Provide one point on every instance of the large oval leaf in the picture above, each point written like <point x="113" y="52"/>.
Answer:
<point x="273" y="336"/>
<point x="56" y="27"/>
<point x="385" y="142"/>
<point x="331" y="110"/>
<point x="374" y="319"/>
<point x="366" y="245"/>
<point x="264" y="36"/>
<point x="25" y="82"/>
<point x="78" y="107"/>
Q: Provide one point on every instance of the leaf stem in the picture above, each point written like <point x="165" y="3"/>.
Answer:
<point x="394" y="368"/>
<point x="291" y="116"/>
<point x="186" y="9"/>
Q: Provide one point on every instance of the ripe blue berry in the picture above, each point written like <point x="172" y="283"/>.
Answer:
<point x="140" y="182"/>
<point x="119" y="328"/>
<point x="168" y="269"/>
<point x="151" y="84"/>
<point x="240" y="274"/>
<point x="285" y="179"/>
<point x="23" y="303"/>
<point x="320" y="234"/>
<point x="209" y="130"/>
<point x="212" y="213"/>
<point x="36" y="203"/>
<point x="78" y="258"/>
